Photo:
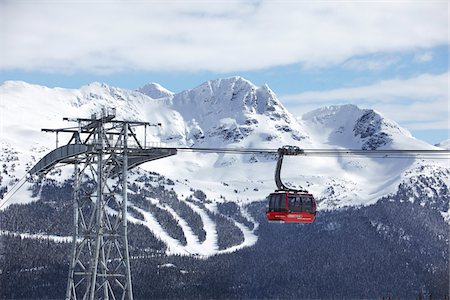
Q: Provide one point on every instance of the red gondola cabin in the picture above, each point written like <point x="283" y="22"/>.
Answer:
<point x="291" y="206"/>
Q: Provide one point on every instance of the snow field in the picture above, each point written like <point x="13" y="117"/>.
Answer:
<point x="193" y="245"/>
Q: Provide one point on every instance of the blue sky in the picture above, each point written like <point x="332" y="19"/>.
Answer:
<point x="388" y="55"/>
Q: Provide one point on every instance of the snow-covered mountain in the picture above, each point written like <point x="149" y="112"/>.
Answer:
<point x="155" y="91"/>
<point x="233" y="111"/>
<point x="230" y="112"/>
<point x="353" y="128"/>
<point x="382" y="224"/>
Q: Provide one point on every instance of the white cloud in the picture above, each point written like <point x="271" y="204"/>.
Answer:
<point x="221" y="36"/>
<point x="422" y="87"/>
<point x="423" y="57"/>
<point x="420" y="102"/>
<point x="372" y="64"/>
<point x="433" y="114"/>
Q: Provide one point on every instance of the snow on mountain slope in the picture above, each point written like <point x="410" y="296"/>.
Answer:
<point x="350" y="127"/>
<point x="27" y="108"/>
<point x="233" y="111"/>
<point x="444" y="145"/>
<point x="229" y="112"/>
<point x="155" y="91"/>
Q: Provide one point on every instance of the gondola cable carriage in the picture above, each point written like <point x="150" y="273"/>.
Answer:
<point x="287" y="204"/>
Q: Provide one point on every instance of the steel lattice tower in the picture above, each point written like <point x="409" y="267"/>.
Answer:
<point x="102" y="151"/>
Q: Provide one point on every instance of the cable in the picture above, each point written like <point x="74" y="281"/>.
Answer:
<point x="404" y="153"/>
<point x="229" y="150"/>
<point x="355" y="153"/>
<point x="14" y="190"/>
<point x="22" y="181"/>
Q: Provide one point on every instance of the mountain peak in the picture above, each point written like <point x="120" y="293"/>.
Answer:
<point x="155" y="90"/>
<point x="231" y="81"/>
<point x="226" y="87"/>
<point x="352" y="127"/>
<point x="237" y="93"/>
<point x="96" y="84"/>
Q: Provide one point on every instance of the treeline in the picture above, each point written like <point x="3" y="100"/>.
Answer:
<point x="393" y="248"/>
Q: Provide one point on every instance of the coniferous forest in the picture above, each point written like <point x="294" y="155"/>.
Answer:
<point x="390" y="249"/>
